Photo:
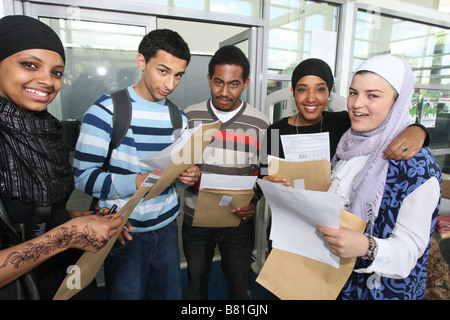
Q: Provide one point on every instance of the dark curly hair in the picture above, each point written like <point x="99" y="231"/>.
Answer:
<point x="166" y="40"/>
<point x="230" y="55"/>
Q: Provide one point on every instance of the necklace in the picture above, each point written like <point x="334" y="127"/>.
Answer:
<point x="296" y="123"/>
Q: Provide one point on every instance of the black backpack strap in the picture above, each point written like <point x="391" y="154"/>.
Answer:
<point x="122" y="111"/>
<point x="121" y="121"/>
<point x="175" y="118"/>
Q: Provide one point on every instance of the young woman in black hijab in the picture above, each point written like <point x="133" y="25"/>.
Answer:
<point x="36" y="177"/>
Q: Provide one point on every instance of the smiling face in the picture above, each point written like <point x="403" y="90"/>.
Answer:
<point x="311" y="98"/>
<point x="369" y="101"/>
<point x="226" y="86"/>
<point x="160" y="75"/>
<point x="31" y="78"/>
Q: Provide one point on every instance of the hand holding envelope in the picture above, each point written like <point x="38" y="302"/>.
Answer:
<point x="294" y="277"/>
<point x="301" y="265"/>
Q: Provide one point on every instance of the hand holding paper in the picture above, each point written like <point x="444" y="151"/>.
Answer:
<point x="301" y="265"/>
<point x="90" y="263"/>
<point x="190" y="176"/>
<point x="290" y="276"/>
<point x="345" y="243"/>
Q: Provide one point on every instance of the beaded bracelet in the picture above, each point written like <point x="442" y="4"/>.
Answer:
<point x="373" y="248"/>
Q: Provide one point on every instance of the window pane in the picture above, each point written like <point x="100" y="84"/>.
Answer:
<point x="295" y="27"/>
<point x="441" y="5"/>
<point x="248" y="8"/>
<point x="433" y="111"/>
<point x="426" y="48"/>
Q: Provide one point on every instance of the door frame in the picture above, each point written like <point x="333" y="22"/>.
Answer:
<point x="249" y="35"/>
<point x="37" y="10"/>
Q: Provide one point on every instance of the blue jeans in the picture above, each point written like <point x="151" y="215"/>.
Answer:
<point x="235" y="246"/>
<point x="147" y="267"/>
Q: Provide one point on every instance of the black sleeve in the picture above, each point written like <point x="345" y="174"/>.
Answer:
<point x="427" y="139"/>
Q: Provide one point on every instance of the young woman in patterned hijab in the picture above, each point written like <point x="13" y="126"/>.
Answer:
<point x="399" y="200"/>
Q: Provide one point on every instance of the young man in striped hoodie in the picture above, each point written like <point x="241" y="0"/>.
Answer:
<point x="147" y="267"/>
<point x="234" y="151"/>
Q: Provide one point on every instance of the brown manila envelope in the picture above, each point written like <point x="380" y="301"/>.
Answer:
<point x="293" y="277"/>
<point x="316" y="173"/>
<point x="213" y="208"/>
<point x="89" y="263"/>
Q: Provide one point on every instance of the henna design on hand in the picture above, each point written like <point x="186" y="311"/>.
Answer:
<point x="61" y="239"/>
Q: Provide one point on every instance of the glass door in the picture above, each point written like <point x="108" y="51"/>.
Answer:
<point x="247" y="43"/>
<point x="101" y="49"/>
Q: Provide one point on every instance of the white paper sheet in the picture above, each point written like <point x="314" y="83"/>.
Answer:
<point x="295" y="215"/>
<point x="227" y="182"/>
<point x="306" y="147"/>
<point x="161" y="160"/>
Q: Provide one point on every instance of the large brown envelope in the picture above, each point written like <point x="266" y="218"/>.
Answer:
<point x="214" y="207"/>
<point x="293" y="277"/>
<point x="90" y="263"/>
<point x="186" y="158"/>
<point x="316" y="173"/>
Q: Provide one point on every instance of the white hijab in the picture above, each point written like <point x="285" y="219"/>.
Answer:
<point x="367" y="189"/>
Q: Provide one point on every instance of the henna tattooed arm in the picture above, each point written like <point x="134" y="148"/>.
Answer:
<point x="88" y="233"/>
<point x="103" y="212"/>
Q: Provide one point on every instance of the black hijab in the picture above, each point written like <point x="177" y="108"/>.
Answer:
<point x="18" y="33"/>
<point x="313" y="67"/>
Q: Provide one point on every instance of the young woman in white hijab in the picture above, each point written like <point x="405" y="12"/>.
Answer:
<point x="399" y="200"/>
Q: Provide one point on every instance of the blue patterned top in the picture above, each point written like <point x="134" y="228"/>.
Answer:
<point x="403" y="177"/>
